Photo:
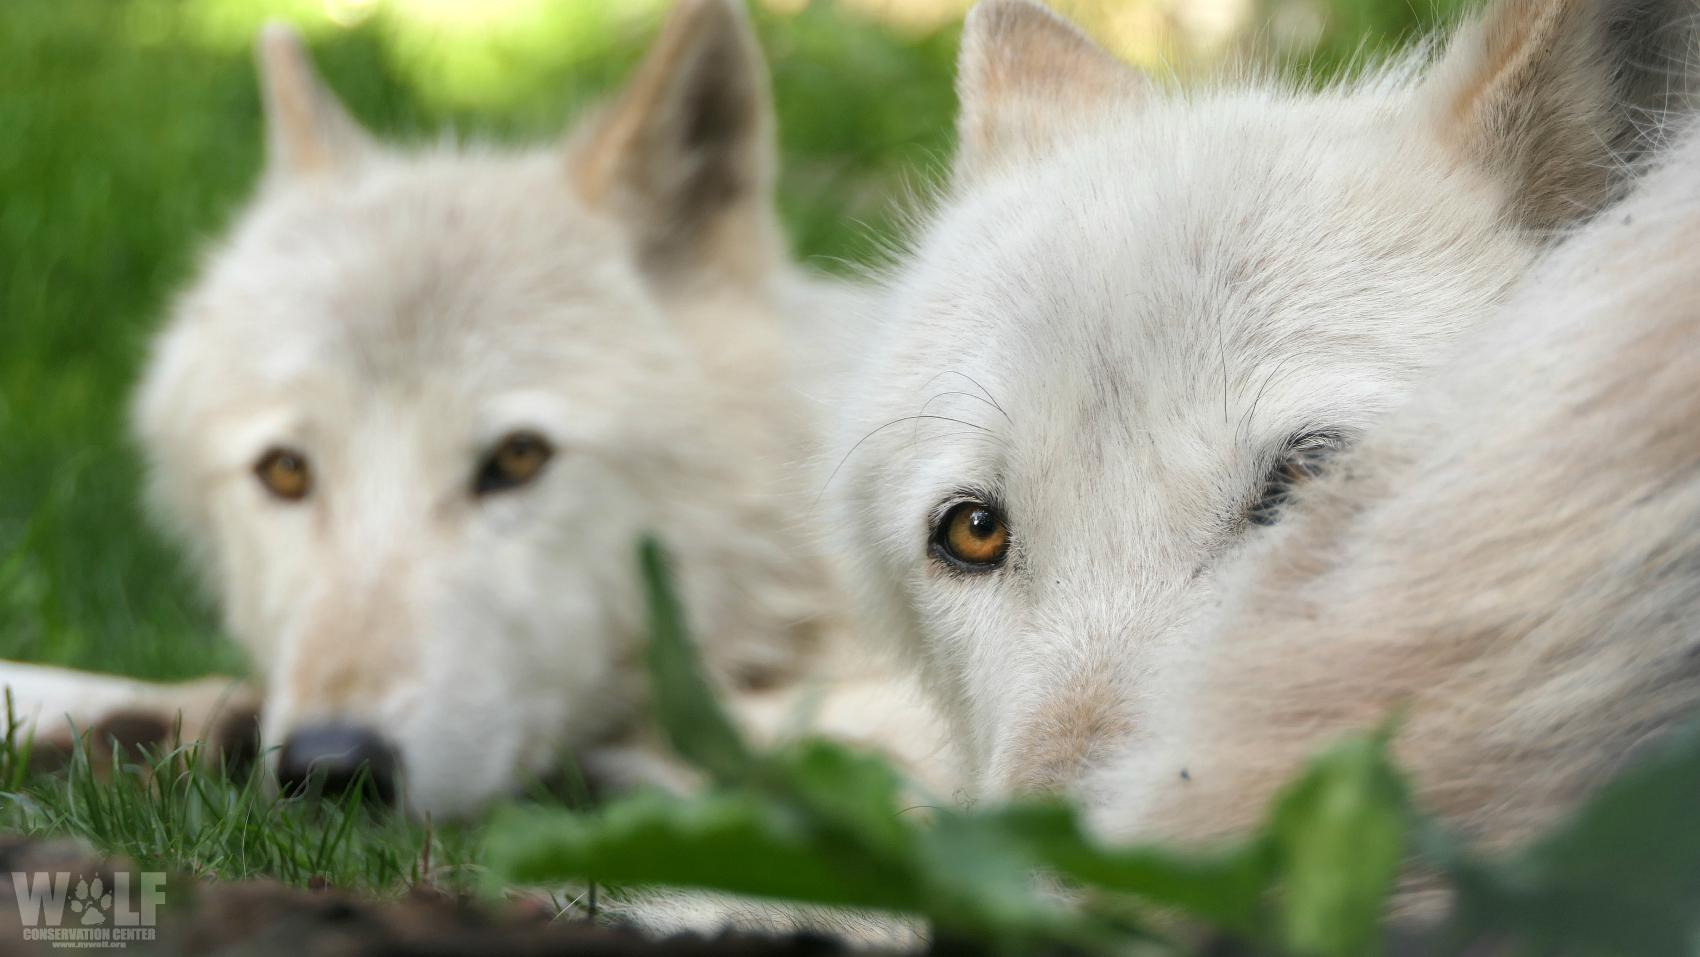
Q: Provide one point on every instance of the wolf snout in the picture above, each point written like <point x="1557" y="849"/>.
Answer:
<point x="327" y="759"/>
<point x="1065" y="735"/>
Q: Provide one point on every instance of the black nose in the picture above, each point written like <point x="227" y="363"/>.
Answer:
<point x="328" y="758"/>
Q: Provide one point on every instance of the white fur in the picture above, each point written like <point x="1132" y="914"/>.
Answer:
<point x="53" y="705"/>
<point x="1510" y="560"/>
<point x="1124" y="308"/>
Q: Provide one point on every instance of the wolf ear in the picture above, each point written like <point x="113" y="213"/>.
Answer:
<point x="1023" y="77"/>
<point x="308" y="131"/>
<point x="1559" y="98"/>
<point x="686" y="156"/>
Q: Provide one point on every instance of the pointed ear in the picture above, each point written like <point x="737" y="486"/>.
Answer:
<point x="308" y="131"/>
<point x="1559" y="98"/>
<point x="686" y="157"/>
<point x="1025" y="77"/>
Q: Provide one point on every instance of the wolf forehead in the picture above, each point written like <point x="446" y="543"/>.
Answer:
<point x="1258" y="223"/>
<point x="412" y="264"/>
<point x="1188" y="289"/>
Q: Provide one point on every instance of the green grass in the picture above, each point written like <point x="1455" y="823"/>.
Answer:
<point x="168" y="812"/>
<point x="164" y="813"/>
<point x="91" y="242"/>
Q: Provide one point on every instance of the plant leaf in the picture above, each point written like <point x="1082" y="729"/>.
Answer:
<point x="1226" y="887"/>
<point x="845" y="790"/>
<point x="685" y="705"/>
<point x="727" y="842"/>
<point x="1621" y="876"/>
<point x="1339" y="836"/>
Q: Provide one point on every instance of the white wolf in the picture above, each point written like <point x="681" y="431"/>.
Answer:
<point x="1139" y="319"/>
<point x="420" y="406"/>
<point x="1514" y="558"/>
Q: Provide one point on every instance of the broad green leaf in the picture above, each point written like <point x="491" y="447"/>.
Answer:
<point x="842" y="789"/>
<point x="981" y="880"/>
<point x="728" y="842"/>
<point x="1339" y="839"/>
<point x="1622" y="876"/>
<point x="685" y="706"/>
<point x="1226" y="888"/>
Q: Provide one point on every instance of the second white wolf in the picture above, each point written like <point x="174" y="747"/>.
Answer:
<point x="1139" y="320"/>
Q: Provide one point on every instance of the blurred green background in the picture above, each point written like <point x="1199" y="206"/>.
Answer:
<point x="130" y="133"/>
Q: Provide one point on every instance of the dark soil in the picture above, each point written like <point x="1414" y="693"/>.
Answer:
<point x="265" y="918"/>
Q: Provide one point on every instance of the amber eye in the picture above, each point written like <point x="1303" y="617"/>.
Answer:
<point x="285" y="474"/>
<point x="516" y="460"/>
<point x="973" y="535"/>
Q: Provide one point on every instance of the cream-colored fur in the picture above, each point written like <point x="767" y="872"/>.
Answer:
<point x="389" y="316"/>
<point x="1513" y="559"/>
<point x="53" y="706"/>
<point x="1137" y="313"/>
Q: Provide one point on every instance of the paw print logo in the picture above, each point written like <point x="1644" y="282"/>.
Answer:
<point x="91" y="901"/>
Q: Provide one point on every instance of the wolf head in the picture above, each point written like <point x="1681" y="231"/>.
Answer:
<point x="1139" y="319"/>
<point x="420" y="406"/>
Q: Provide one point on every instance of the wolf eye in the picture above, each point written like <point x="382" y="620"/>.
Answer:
<point x="516" y="460"/>
<point x="973" y="536"/>
<point x="1306" y="456"/>
<point x="285" y="474"/>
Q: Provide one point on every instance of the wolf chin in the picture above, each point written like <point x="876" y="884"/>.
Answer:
<point x="1140" y="320"/>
